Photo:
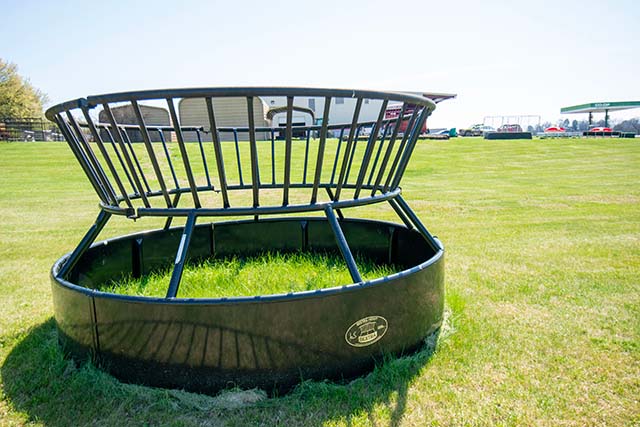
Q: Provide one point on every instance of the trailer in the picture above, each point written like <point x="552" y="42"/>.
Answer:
<point x="395" y="110"/>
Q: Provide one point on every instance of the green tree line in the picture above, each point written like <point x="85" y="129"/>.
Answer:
<point x="18" y="98"/>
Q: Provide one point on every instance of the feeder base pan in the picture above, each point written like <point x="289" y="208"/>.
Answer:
<point x="272" y="341"/>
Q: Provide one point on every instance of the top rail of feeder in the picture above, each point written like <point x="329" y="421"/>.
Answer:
<point x="222" y="92"/>
<point x="139" y="167"/>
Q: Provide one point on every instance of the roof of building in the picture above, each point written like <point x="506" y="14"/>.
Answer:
<point x="437" y="97"/>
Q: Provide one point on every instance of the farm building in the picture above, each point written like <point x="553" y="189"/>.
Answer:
<point x="267" y="112"/>
<point x="125" y="115"/>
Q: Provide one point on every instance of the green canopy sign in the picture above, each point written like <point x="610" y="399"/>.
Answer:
<point x="600" y="107"/>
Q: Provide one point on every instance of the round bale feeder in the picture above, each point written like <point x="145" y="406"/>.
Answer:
<point x="294" y="192"/>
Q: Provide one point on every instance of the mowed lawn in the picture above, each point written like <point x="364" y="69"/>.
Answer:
<point x="542" y="246"/>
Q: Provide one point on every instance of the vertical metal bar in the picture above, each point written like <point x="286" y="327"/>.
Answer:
<point x="321" y="148"/>
<point x="273" y="157"/>
<point x="413" y="140"/>
<point x="118" y="137"/>
<point x="435" y="245"/>
<point x="80" y="157"/>
<point x="183" y="152"/>
<point x="137" y="261"/>
<point x="204" y="158"/>
<point x="181" y="256"/>
<point x="342" y="244"/>
<point x="353" y="153"/>
<point x="152" y="154"/>
<point x="127" y="140"/>
<point x="96" y="135"/>
<point x="377" y="158"/>
<point x="353" y="130"/>
<point x="255" y="174"/>
<point x="387" y="154"/>
<point x="235" y="138"/>
<point x="401" y="148"/>
<point x="306" y="157"/>
<point x="74" y="145"/>
<point x="287" y="152"/>
<point x="102" y="177"/>
<point x="217" y="148"/>
<point x="84" y="244"/>
<point x="369" y="150"/>
<point x="337" y="156"/>
<point x="168" y="156"/>
<point x="122" y="163"/>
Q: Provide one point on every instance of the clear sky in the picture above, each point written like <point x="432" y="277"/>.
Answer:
<point x="500" y="57"/>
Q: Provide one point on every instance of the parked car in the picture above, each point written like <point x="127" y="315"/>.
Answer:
<point x="476" y="130"/>
<point x="600" y="129"/>
<point x="441" y="132"/>
<point x="510" y="128"/>
<point x="555" y="129"/>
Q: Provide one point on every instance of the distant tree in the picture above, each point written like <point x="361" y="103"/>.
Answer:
<point x="565" y="123"/>
<point x="583" y="125"/>
<point x="574" y="125"/>
<point x="631" y="125"/>
<point x="18" y="99"/>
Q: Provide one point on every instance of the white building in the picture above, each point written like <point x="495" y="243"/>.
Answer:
<point x="268" y="111"/>
<point x="340" y="111"/>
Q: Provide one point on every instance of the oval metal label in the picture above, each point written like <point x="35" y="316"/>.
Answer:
<point x="366" y="331"/>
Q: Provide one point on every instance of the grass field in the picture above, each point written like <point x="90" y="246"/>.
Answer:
<point x="542" y="282"/>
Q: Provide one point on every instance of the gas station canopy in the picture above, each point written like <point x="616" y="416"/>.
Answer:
<point x="600" y="107"/>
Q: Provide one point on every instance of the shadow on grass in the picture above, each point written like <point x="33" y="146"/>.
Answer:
<point x="40" y="382"/>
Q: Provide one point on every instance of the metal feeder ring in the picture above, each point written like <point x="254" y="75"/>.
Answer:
<point x="265" y="154"/>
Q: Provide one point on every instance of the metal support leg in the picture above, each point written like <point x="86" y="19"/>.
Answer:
<point x="401" y="214"/>
<point x="435" y="245"/>
<point x="181" y="256"/>
<point x="330" y="193"/>
<point x="342" y="244"/>
<point x="169" y="220"/>
<point x="84" y="244"/>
